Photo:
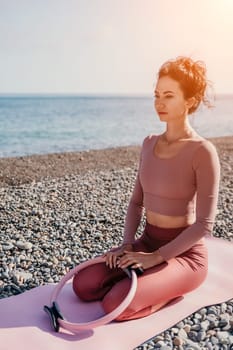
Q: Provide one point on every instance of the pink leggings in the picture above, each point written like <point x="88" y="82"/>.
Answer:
<point x="156" y="287"/>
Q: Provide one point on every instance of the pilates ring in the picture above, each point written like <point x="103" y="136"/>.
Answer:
<point x="58" y="320"/>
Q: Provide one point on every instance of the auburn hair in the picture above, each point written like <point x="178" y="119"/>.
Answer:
<point x="191" y="75"/>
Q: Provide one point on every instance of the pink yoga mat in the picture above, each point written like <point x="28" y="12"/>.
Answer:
<point x="25" y="326"/>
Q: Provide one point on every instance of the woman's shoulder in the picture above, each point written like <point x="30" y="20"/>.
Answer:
<point x="205" y="146"/>
<point x="205" y="152"/>
<point x="149" y="139"/>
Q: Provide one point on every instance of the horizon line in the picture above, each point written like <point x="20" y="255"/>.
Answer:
<point x="88" y="94"/>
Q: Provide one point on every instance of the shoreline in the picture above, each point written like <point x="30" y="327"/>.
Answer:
<point x="15" y="171"/>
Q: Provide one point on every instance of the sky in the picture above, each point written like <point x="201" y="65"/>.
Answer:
<point x="110" y="46"/>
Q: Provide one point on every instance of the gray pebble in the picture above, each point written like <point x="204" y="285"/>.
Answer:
<point x="7" y="246"/>
<point x="160" y="343"/>
<point x="201" y="335"/>
<point x="209" y="346"/>
<point x="192" y="344"/>
<point x="24" y="245"/>
<point x="180" y="324"/>
<point x="5" y="274"/>
<point x="214" y="340"/>
<point x="21" y="275"/>
<point x="198" y="316"/>
<point x="223" y="337"/>
<point x="205" y="324"/>
<point x="223" y="308"/>
<point x="193" y="336"/>
<point x="213" y="320"/>
<point x="213" y="310"/>
<point x="224" y="320"/>
<point x="182" y="334"/>
<point x="203" y="311"/>
<point x="196" y="327"/>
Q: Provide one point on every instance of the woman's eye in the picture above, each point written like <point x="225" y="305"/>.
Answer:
<point x="168" y="96"/>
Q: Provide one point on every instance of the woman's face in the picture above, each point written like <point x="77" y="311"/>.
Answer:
<point x="170" y="103"/>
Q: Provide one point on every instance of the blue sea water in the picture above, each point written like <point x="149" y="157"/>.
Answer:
<point x="39" y="124"/>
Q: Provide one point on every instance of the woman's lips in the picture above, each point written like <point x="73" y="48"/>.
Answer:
<point x="162" y="112"/>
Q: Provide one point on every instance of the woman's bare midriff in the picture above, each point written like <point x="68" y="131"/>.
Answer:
<point x="166" y="221"/>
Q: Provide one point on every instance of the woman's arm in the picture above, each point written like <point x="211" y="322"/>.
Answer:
<point x="207" y="169"/>
<point x="134" y="213"/>
<point x="135" y="208"/>
<point x="132" y="221"/>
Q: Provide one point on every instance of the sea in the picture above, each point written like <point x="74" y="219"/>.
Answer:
<point x="43" y="124"/>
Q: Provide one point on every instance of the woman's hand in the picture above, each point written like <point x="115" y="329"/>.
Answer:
<point x="139" y="259"/>
<point x="113" y="255"/>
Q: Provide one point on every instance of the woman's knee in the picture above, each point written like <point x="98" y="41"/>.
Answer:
<point x="88" y="284"/>
<point x="85" y="283"/>
<point x="81" y="287"/>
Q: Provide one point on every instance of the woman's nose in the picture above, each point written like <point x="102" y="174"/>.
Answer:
<point x="159" y="103"/>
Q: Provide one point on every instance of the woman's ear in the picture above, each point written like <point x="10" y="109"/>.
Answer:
<point x="190" y="102"/>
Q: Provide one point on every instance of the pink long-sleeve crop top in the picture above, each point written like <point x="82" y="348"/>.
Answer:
<point x="184" y="185"/>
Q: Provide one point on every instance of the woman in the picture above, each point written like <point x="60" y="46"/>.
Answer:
<point x="177" y="184"/>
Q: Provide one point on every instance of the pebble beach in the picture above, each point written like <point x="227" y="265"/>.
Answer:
<point x="58" y="210"/>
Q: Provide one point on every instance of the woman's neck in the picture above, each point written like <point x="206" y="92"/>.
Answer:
<point x="174" y="132"/>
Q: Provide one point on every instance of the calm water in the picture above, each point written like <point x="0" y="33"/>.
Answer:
<point x="52" y="124"/>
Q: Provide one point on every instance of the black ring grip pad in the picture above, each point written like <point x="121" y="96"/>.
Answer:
<point x="128" y="270"/>
<point x="54" y="313"/>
